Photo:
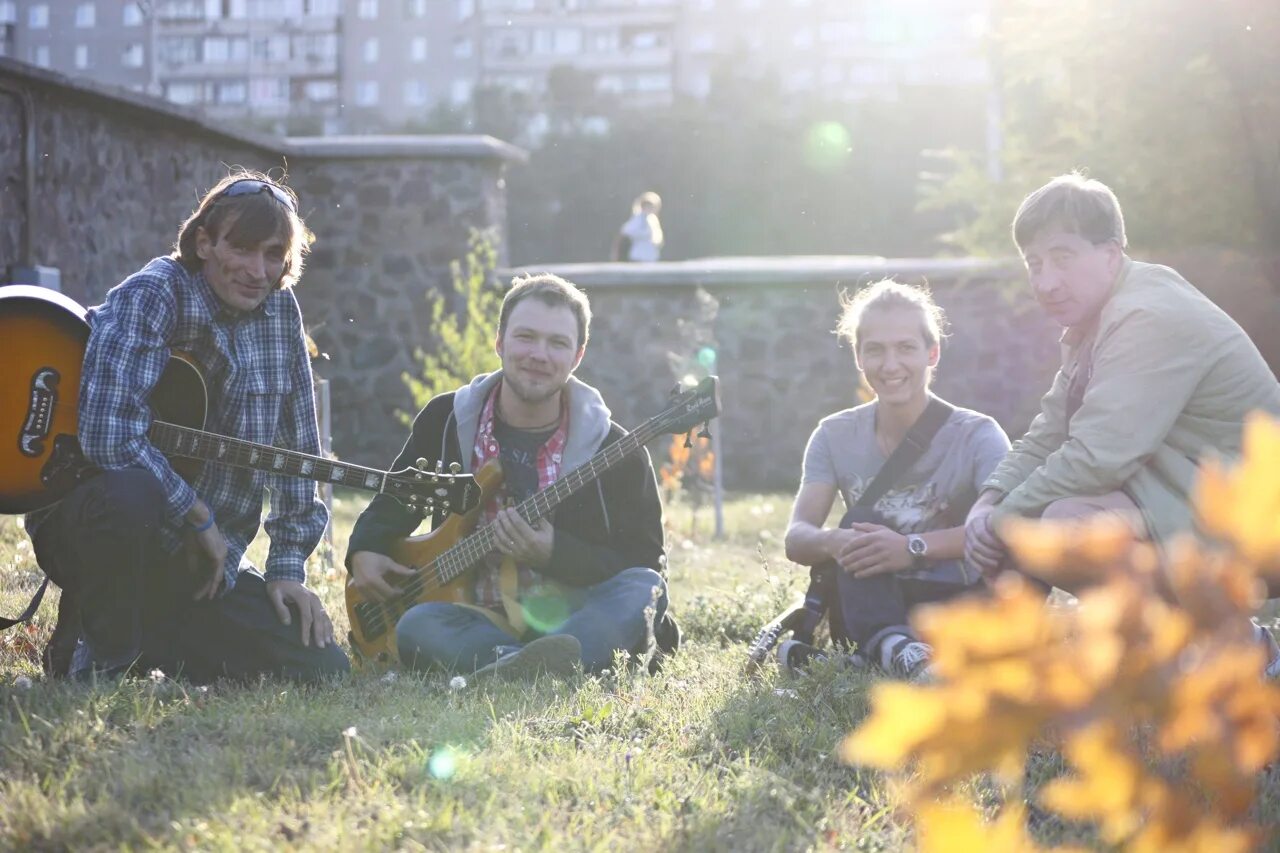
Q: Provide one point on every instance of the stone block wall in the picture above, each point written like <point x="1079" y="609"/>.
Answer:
<point x="116" y="173"/>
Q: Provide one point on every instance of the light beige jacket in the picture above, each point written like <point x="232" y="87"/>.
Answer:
<point x="1173" y="378"/>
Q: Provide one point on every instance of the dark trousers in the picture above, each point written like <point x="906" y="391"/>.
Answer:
<point x="866" y="610"/>
<point x="101" y="544"/>
<point x="875" y="607"/>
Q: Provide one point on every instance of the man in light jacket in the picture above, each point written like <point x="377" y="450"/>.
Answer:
<point x="1154" y="378"/>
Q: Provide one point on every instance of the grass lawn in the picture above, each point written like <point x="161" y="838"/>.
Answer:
<point x="695" y="758"/>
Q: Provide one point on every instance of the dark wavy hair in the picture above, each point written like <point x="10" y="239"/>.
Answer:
<point x="246" y="220"/>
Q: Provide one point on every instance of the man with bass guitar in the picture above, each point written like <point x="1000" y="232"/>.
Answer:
<point x="149" y="563"/>
<point x="549" y="590"/>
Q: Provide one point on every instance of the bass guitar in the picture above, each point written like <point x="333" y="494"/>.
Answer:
<point x="443" y="559"/>
<point x="43" y="336"/>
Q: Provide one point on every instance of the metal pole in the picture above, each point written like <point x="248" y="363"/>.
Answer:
<point x="717" y="480"/>
<point x="325" y="422"/>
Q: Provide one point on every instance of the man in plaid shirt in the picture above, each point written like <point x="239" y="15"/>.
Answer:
<point x="150" y="564"/>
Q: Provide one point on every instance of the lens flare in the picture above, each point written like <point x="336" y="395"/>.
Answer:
<point x="443" y="763"/>
<point x="545" y="610"/>
<point x="827" y="146"/>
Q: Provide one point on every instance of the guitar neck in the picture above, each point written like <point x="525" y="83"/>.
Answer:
<point x="478" y="545"/>
<point x="173" y="440"/>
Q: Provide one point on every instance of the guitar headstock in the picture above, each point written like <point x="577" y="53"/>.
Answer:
<point x="691" y="407"/>
<point x="424" y="490"/>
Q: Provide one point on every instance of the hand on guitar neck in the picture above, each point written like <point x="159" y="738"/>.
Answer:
<point x="527" y="544"/>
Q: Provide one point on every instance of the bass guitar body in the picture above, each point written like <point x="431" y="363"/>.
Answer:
<point x="373" y="623"/>
<point x="43" y="337"/>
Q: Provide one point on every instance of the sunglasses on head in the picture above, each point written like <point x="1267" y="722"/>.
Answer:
<point x="249" y="186"/>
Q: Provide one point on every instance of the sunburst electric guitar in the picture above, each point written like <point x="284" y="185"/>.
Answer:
<point x="43" y="336"/>
<point x="443" y="559"/>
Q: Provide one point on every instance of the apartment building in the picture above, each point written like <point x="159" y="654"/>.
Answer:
<point x="326" y="66"/>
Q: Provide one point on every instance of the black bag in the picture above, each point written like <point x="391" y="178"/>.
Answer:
<point x="803" y="619"/>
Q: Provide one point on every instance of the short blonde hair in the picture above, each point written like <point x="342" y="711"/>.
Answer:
<point x="650" y="198"/>
<point x="1074" y="203"/>
<point x="888" y="293"/>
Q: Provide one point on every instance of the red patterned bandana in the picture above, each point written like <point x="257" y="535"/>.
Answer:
<point x="486" y="448"/>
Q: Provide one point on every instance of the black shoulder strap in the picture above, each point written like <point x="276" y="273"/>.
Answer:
<point x="5" y="622"/>
<point x="909" y="451"/>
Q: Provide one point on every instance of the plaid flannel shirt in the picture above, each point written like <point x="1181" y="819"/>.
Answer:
<point x="258" y="377"/>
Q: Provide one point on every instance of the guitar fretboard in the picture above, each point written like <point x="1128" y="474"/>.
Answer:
<point x="475" y="547"/>
<point x="174" y="440"/>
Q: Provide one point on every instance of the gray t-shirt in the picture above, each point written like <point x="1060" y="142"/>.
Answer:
<point x="933" y="494"/>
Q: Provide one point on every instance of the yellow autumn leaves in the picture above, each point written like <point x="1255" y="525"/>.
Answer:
<point x="1159" y="708"/>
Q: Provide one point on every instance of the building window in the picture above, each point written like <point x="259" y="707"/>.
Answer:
<point x="179" y="50"/>
<point x="86" y="15"/>
<point x="82" y="56"/>
<point x="183" y="93"/>
<point x="415" y="93"/>
<point x="8" y="12"/>
<point x="568" y="42"/>
<point x="460" y="92"/>
<point x="418" y="49"/>
<point x="320" y="91"/>
<point x="415" y="8"/>
<point x="324" y="7"/>
<point x="462" y="48"/>
<point x="40" y="56"/>
<point x="38" y="18"/>
<point x="466" y="8"/>
<point x="133" y="56"/>
<point x="234" y="92"/>
<point x="216" y="50"/>
<point x="268" y="91"/>
<point x="703" y="43"/>
<point x="274" y="48"/>
<point x="132" y="15"/>
<point x="367" y="93"/>
<point x="369" y="50"/>
<point x="368" y="9"/>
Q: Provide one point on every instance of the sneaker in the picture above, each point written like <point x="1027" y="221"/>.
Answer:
<point x="1272" y="668"/>
<point x="910" y="660"/>
<point x="557" y="654"/>
<point x="795" y="657"/>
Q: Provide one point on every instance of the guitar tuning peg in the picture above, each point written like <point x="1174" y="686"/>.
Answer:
<point x="705" y="432"/>
<point x="688" y="439"/>
<point x="439" y="466"/>
<point x="421" y="464"/>
<point x="455" y="468"/>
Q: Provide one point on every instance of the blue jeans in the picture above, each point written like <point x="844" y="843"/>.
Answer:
<point x="608" y="617"/>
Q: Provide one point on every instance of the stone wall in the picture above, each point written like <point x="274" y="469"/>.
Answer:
<point x="781" y="367"/>
<point x="116" y="173"/>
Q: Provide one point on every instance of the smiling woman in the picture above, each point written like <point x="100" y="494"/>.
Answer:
<point x="902" y="542"/>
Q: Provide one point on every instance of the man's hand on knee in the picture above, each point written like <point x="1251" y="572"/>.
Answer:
<point x="314" y="623"/>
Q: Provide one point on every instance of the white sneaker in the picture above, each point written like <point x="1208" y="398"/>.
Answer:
<point x="910" y="660"/>
<point x="557" y="654"/>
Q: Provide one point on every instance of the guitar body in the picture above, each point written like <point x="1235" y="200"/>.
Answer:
<point x="43" y="337"/>
<point x="373" y="624"/>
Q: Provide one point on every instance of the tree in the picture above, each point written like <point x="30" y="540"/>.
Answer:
<point x="1174" y="103"/>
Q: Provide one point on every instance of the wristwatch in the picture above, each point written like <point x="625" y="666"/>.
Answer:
<point x="917" y="548"/>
